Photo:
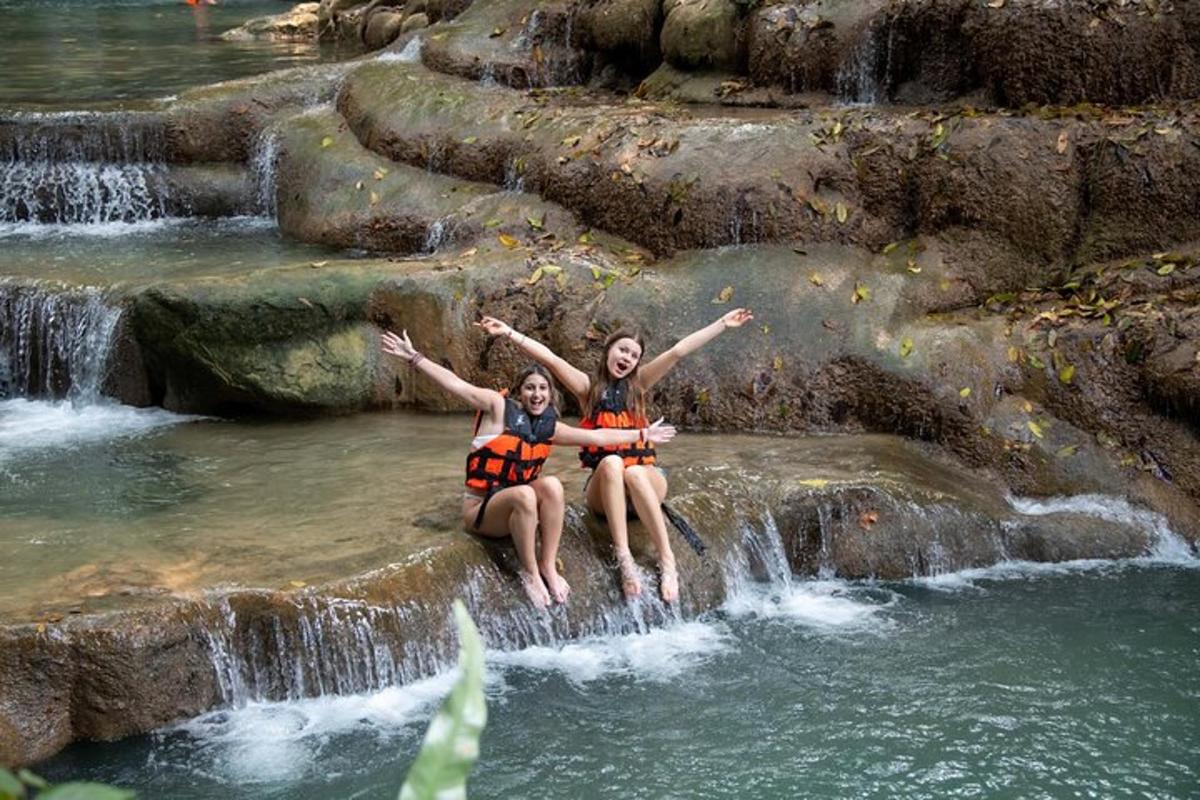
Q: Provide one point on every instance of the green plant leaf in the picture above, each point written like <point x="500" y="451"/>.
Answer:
<point x="1067" y="373"/>
<point x="451" y="744"/>
<point x="86" y="791"/>
<point x="9" y="785"/>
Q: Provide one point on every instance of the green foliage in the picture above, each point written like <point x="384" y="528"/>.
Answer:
<point x="22" y="785"/>
<point x="451" y="744"/>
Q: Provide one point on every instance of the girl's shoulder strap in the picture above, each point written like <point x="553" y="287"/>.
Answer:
<point x="479" y="414"/>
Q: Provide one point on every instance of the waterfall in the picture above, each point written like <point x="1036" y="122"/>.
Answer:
<point x="263" y="162"/>
<point x="54" y="344"/>
<point x="82" y="169"/>
<point x="862" y="77"/>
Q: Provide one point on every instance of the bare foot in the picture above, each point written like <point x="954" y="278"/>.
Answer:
<point x="631" y="583"/>
<point x="668" y="584"/>
<point x="536" y="590"/>
<point x="557" y="584"/>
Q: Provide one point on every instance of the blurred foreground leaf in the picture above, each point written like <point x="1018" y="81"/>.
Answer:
<point x="452" y="742"/>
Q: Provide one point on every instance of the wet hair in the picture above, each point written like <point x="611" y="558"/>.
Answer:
<point x="601" y="380"/>
<point x="536" y="369"/>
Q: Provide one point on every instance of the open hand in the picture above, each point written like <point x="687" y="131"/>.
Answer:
<point x="659" y="431"/>
<point x="399" y="346"/>
<point x="737" y="318"/>
<point x="494" y="327"/>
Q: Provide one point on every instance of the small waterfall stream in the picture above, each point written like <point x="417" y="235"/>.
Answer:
<point x="55" y="344"/>
<point x="82" y="169"/>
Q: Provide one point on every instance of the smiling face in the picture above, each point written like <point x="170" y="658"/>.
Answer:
<point x="623" y="357"/>
<point x="534" y="394"/>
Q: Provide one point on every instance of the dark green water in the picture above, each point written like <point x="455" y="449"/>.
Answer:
<point x="1050" y="682"/>
<point x="75" y="51"/>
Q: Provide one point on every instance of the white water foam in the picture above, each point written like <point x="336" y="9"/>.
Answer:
<point x="280" y="741"/>
<point x="38" y="424"/>
<point x="830" y="606"/>
<point x="658" y="655"/>
<point x="410" y="54"/>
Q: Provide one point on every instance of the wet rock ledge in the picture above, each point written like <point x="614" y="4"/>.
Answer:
<point x="889" y="508"/>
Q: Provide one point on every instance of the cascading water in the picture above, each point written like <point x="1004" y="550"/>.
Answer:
<point x="71" y="169"/>
<point x="263" y="163"/>
<point x="54" y="344"/>
<point x="862" y="78"/>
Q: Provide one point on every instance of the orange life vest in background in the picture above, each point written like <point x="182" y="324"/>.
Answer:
<point x="515" y="457"/>
<point x="612" y="412"/>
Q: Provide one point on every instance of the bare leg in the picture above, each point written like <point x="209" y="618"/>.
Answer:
<point x="606" y="492"/>
<point x="513" y="512"/>
<point x="647" y="487"/>
<point x="550" y="502"/>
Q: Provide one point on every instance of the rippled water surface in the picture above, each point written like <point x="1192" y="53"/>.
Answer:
<point x="74" y="51"/>
<point x="1059" y="682"/>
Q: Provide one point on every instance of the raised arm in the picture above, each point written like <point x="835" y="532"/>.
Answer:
<point x="574" y="380"/>
<point x="657" y="369"/>
<point x="657" y="432"/>
<point x="479" y="398"/>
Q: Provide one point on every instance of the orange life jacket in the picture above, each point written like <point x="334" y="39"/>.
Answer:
<point x="515" y="457"/>
<point x="612" y="412"/>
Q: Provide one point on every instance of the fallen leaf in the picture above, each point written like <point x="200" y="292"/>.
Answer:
<point x="1166" y="269"/>
<point x="508" y="241"/>
<point x="778" y="363"/>
<point x="536" y="276"/>
<point x="374" y="199"/>
<point x="1067" y="373"/>
<point x="890" y="247"/>
<point x="305" y="301"/>
<point x="297" y="584"/>
<point x="723" y="296"/>
<point x="906" y="346"/>
<point x="1063" y="141"/>
<point x="535" y="223"/>
<point x="995" y="3"/>
<point x="492" y="223"/>
<point x="359" y="186"/>
<point x="571" y="141"/>
<point x="1013" y="354"/>
<point x="328" y="140"/>
<point x="470" y="140"/>
<point x="318" y="263"/>
<point x="816" y="483"/>
<point x="496" y="32"/>
<point x="843" y="213"/>
<point x="1067" y="450"/>
<point x="1027" y="407"/>
<point x="965" y="391"/>
<point x="867" y="518"/>
<point x="861" y="293"/>
<point x="1036" y="362"/>
<point x="1035" y="429"/>
<point x="816" y="280"/>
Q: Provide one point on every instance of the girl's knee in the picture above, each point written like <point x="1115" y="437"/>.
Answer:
<point x="636" y="476"/>
<point x="549" y="488"/>
<point x="611" y="466"/>
<point x="525" y="498"/>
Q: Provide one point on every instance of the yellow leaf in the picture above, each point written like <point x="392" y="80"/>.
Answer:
<point x="508" y="241"/>
<point x="861" y="293"/>
<point x="778" y="363"/>
<point x="359" y="186"/>
<point x="913" y="268"/>
<point x="41" y="627"/>
<point x="906" y="346"/>
<point x="816" y="483"/>
<point x="378" y="174"/>
<point x="816" y="280"/>
<point x="297" y="584"/>
<point x="492" y="223"/>
<point x="965" y="391"/>
<point x="536" y="276"/>
<point x="374" y="198"/>
<point x="470" y="252"/>
<point x="1013" y="354"/>
<point x="723" y="296"/>
<point x="889" y="248"/>
<point x="1036" y="362"/>
<point x="318" y="263"/>
<point x="328" y="140"/>
<point x="571" y="141"/>
<point x="470" y="140"/>
<point x="585" y="238"/>
<point x="1027" y="407"/>
<point x="702" y="397"/>
<point x="767" y="329"/>
<point x="1035" y="429"/>
<point x="535" y="223"/>
<point x="1067" y="450"/>
<point x="995" y="4"/>
<point x="1067" y="373"/>
<point x="1063" y="141"/>
<point x="843" y="213"/>
<point x="1166" y="269"/>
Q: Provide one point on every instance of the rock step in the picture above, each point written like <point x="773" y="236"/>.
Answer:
<point x="122" y="673"/>
<point x="1025" y="195"/>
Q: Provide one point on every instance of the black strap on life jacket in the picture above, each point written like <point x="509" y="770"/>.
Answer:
<point x="685" y="529"/>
